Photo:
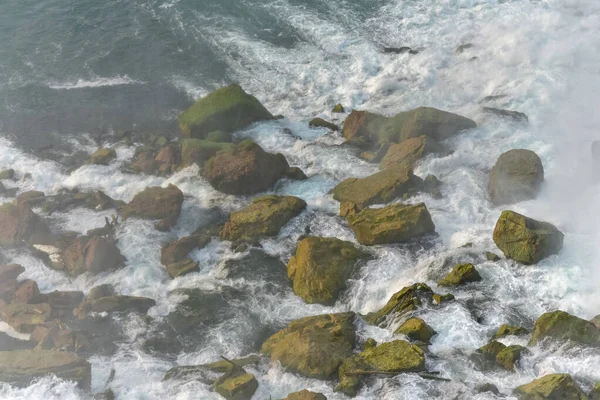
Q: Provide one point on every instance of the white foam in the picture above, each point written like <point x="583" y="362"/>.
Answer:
<point x="96" y="83"/>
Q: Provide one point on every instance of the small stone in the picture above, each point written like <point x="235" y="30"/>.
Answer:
<point x="491" y="256"/>
<point x="338" y="108"/>
<point x="416" y="330"/>
<point x="321" y="123"/>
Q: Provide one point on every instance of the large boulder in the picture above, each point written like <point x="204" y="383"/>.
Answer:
<point x="174" y="256"/>
<point x="559" y="325"/>
<point x="401" y="303"/>
<point x="379" y="188"/>
<point x="368" y="130"/>
<point x="392" y="224"/>
<point x="264" y="217"/>
<point x="196" y="151"/>
<point x="320" y="268"/>
<point x="526" y="240"/>
<point x="20" y="367"/>
<point x="396" y="356"/>
<point x="227" y="109"/>
<point x="314" y="346"/>
<point x="306" y="394"/>
<point x="551" y="387"/>
<point x="156" y="203"/>
<point x="460" y="274"/>
<point x="236" y="384"/>
<point x="245" y="169"/>
<point x="510" y="356"/>
<point x="409" y="151"/>
<point x="517" y="176"/>
<point x="416" y="329"/>
<point x="19" y="224"/>
<point x="93" y="254"/>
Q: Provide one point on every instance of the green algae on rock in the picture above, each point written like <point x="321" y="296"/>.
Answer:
<point x="526" y="240"/>
<point x="338" y="108"/>
<point x="305" y="395"/>
<point x="510" y="356"/>
<point x="460" y="274"/>
<point x="551" y="387"/>
<point x="236" y="384"/>
<point x="156" y="203"/>
<point x="416" y="330"/>
<point x="406" y="300"/>
<point x="409" y="151"/>
<point x="227" y="109"/>
<point x="508" y="330"/>
<point x="517" y="176"/>
<point x="197" y="151"/>
<point x="103" y="156"/>
<point x="321" y="123"/>
<point x="320" y="268"/>
<point x="562" y="326"/>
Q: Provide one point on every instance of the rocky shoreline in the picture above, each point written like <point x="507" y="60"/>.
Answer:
<point x="66" y="327"/>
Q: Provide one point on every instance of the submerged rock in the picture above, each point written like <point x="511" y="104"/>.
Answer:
<point x="196" y="151"/>
<point x="510" y="356"/>
<point x="460" y="274"/>
<point x="115" y="304"/>
<point x="410" y="152"/>
<point x="178" y="250"/>
<point x="550" y="387"/>
<point x="321" y="123"/>
<point x="392" y="224"/>
<point x="246" y="169"/>
<point x="514" y="115"/>
<point x="380" y="188"/>
<point x="7" y="174"/>
<point x="507" y="330"/>
<point x="264" y="217"/>
<point x="526" y="240"/>
<point x="156" y="203"/>
<point x="186" y="372"/>
<point x="417" y="330"/>
<point x="103" y="156"/>
<point x="320" y="268"/>
<point x="20" y="367"/>
<point x="517" y="176"/>
<point x="305" y="395"/>
<point x="227" y="109"/>
<point x="400" y="50"/>
<point x="485" y="356"/>
<point x="491" y="256"/>
<point x="19" y="224"/>
<point x="562" y="326"/>
<point x="93" y="254"/>
<point x="314" y="346"/>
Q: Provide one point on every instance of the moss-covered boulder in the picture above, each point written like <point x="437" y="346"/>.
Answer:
<point x="397" y="356"/>
<point x="156" y="203"/>
<point x="245" y="169"/>
<point x="321" y="266"/>
<point x="551" y="387"/>
<point x="19" y="224"/>
<point x="485" y="356"/>
<point x="115" y="304"/>
<point x="103" y="156"/>
<point x="314" y="346"/>
<point x="508" y="357"/>
<point x="379" y="188"/>
<point x="305" y="395"/>
<point x="196" y="151"/>
<point x="236" y="384"/>
<point x="491" y="256"/>
<point x="409" y="151"/>
<point x="20" y="367"/>
<point x="7" y="174"/>
<point x="24" y="318"/>
<point x="93" y="254"/>
<point x="338" y="108"/>
<point x="595" y="393"/>
<point x="227" y="109"/>
<point x="561" y="326"/>
<point x="401" y="303"/>
<point x="321" y="123"/>
<point x="526" y="240"/>
<point x="264" y="217"/>
<point x="416" y="330"/>
<point x="392" y="224"/>
<point x="596" y="321"/>
<point x="368" y="130"/>
<point x="219" y="136"/>
<point x="509" y="330"/>
<point x="460" y="274"/>
<point x="517" y="176"/>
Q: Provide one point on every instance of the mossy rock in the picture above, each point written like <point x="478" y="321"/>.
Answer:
<point x="314" y="347"/>
<point x="7" y="174"/>
<point x="491" y="256"/>
<point x="595" y="393"/>
<point x="321" y="123"/>
<point x="338" y="108"/>
<point x="517" y="176"/>
<point x="396" y="356"/>
<point x="562" y="326"/>
<point x="379" y="188"/>
<point x="401" y="303"/>
<point x="24" y="318"/>
<point x="416" y="330"/>
<point x="596" y="321"/>
<point x="236" y="385"/>
<point x="460" y="274"/>
<point x="162" y="345"/>
<point x="508" y="330"/>
<point x="156" y="203"/>
<point x="196" y="151"/>
<point x="396" y="223"/>
<point x="551" y="387"/>
<point x="510" y="356"/>
<point x="264" y="217"/>
<point x="219" y="136"/>
<point x="409" y="152"/>
<point x="320" y="268"/>
<point x="485" y="356"/>
<point x="187" y="372"/>
<point x="305" y="395"/>
<point x="526" y="240"/>
<point x="183" y="267"/>
<point x="103" y="156"/>
<point x="227" y="109"/>
<point x="369" y="130"/>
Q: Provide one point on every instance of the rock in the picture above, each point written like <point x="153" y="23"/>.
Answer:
<point x="550" y="387"/>
<point x="507" y="330"/>
<point x="24" y="318"/>
<point x="296" y="174"/>
<point x="460" y="274"/>
<point x="410" y="152"/>
<point x="168" y="158"/>
<point x="526" y="240"/>
<point x="442" y="298"/>
<point x="368" y="130"/>
<point x="103" y="156"/>
<point x="108" y="394"/>
<point x="156" y="203"/>
<point x="595" y="320"/>
<point x="370" y="343"/>
<point x="460" y="49"/>
<point x="338" y="108"/>
<point x="406" y="300"/>
<point x="514" y="115"/>
<point x="178" y="250"/>
<point x="183" y="267"/>
<point x="320" y="268"/>
<point x="105" y="290"/>
<point x="20" y="367"/>
<point x="562" y="326"/>
<point x="491" y="256"/>
<point x="63" y="303"/>
<point x="219" y="136"/>
<point x="416" y="330"/>
<point x="227" y="109"/>
<point x="20" y="224"/>
<point x="392" y="224"/>
<point x="236" y="385"/>
<point x="595" y="393"/>
<point x="115" y="304"/>
<point x="396" y="356"/>
<point x="196" y="151"/>
<point x="93" y="254"/>
<point x="509" y="356"/>
<point x="95" y="200"/>
<point x="379" y="188"/>
<point x="321" y="123"/>
<point x="487" y="387"/>
<point x="314" y="346"/>
<point x="30" y="198"/>
<point x="224" y="366"/>
<point x="485" y="356"/>
<point x="163" y="345"/>
<point x="305" y="394"/>
<point x="27" y="292"/>
<point x="7" y="290"/>
<point x="264" y="217"/>
<point x="7" y="174"/>
<point x="10" y="272"/>
<point x="399" y="50"/>
<point x="8" y="343"/>
<point x="186" y="372"/>
<point x="517" y="176"/>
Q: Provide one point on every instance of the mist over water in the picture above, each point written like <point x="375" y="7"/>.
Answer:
<point x="69" y="71"/>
